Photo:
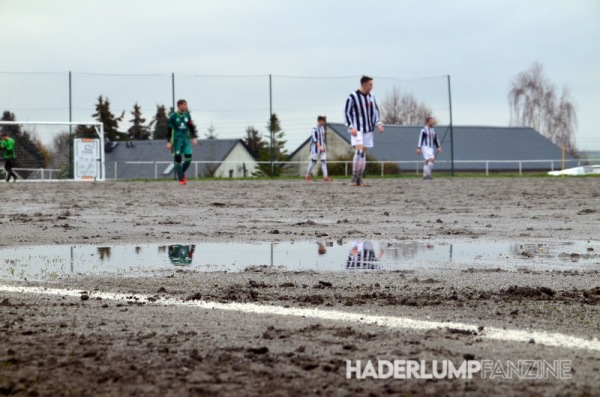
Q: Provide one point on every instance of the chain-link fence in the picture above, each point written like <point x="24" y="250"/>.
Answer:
<point x="227" y="105"/>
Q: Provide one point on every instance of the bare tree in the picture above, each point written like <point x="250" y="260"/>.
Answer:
<point x="534" y="103"/>
<point x="403" y="109"/>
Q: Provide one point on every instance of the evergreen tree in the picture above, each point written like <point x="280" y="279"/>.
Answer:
<point x="105" y="116"/>
<point x="138" y="129"/>
<point x="211" y="132"/>
<point x="266" y="150"/>
<point x="254" y="142"/>
<point x="160" y="123"/>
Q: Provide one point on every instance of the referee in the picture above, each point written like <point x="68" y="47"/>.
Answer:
<point x="362" y="115"/>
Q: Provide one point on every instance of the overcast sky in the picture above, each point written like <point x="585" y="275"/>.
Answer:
<point x="482" y="45"/>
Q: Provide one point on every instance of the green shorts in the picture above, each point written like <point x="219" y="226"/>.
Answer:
<point x="182" y="146"/>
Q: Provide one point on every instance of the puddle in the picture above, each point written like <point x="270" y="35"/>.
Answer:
<point x="52" y="262"/>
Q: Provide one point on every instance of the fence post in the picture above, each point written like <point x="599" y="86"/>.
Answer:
<point x="552" y="165"/>
<point x="487" y="168"/>
<point x="382" y="169"/>
<point x="417" y="169"/>
<point x="42" y="173"/>
<point x="520" y="168"/>
<point x="115" y="170"/>
<point x="196" y="169"/>
<point x="155" y="170"/>
<point x="345" y="168"/>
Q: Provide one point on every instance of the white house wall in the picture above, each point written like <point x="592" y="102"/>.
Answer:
<point x="239" y="155"/>
<point x="336" y="147"/>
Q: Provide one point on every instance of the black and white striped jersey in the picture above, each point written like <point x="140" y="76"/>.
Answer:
<point x="361" y="112"/>
<point x="428" y="138"/>
<point x="362" y="256"/>
<point x="318" y="137"/>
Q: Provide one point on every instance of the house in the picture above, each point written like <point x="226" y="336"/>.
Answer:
<point x="150" y="159"/>
<point x="475" y="148"/>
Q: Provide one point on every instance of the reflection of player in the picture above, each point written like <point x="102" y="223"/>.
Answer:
<point x="362" y="256"/>
<point x="181" y="255"/>
<point x="321" y="250"/>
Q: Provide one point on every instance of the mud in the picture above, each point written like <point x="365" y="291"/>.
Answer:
<point x="85" y="346"/>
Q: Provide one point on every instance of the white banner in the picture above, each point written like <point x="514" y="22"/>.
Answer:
<point x="86" y="152"/>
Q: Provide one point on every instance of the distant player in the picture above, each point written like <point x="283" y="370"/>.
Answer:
<point x="7" y="146"/>
<point x="318" y="150"/>
<point x="181" y="130"/>
<point x="361" y="115"/>
<point x="427" y="140"/>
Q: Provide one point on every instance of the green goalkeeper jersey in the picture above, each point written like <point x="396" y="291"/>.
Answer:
<point x="180" y="126"/>
<point x="8" y="147"/>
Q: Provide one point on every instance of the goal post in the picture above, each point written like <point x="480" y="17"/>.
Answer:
<point x="56" y="150"/>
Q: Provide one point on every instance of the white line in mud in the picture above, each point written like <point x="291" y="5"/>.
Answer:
<point x="540" y="337"/>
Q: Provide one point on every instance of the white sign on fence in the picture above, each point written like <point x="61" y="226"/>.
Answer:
<point x="86" y="154"/>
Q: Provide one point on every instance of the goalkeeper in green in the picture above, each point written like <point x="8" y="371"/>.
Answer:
<point x="181" y="130"/>
<point x="7" y="145"/>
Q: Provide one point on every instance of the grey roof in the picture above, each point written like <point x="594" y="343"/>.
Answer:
<point x="155" y="150"/>
<point x="399" y="143"/>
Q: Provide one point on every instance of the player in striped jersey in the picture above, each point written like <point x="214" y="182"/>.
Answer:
<point x="318" y="149"/>
<point x="361" y="115"/>
<point x="427" y="140"/>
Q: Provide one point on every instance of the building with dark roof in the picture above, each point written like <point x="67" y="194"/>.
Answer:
<point x="475" y="148"/>
<point x="150" y="159"/>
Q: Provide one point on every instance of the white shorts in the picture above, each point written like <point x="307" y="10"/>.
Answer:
<point x="427" y="152"/>
<point x="318" y="156"/>
<point x="362" y="138"/>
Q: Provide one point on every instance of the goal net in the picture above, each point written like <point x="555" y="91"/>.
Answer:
<point x="48" y="150"/>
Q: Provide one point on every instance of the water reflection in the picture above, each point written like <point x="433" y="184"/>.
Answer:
<point x="103" y="253"/>
<point x="181" y="255"/>
<point x="43" y="262"/>
<point x="362" y="256"/>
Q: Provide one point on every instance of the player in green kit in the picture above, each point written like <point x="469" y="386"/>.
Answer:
<point x="181" y="131"/>
<point x="7" y="145"/>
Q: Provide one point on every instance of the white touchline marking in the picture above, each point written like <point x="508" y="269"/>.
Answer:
<point x="540" y="337"/>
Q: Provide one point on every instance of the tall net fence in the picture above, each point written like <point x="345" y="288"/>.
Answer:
<point x="227" y="104"/>
<point x="226" y="107"/>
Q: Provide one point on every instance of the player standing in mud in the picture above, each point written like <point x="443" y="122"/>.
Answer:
<point x="181" y="130"/>
<point x="318" y="149"/>
<point x="362" y="115"/>
<point x="427" y="140"/>
<point x="7" y="146"/>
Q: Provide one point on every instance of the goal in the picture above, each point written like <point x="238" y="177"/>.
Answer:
<point x="51" y="150"/>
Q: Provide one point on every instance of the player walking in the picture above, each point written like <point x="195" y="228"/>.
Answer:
<point x="7" y="145"/>
<point x="318" y="149"/>
<point x="427" y="139"/>
<point x="362" y="115"/>
<point x="181" y="130"/>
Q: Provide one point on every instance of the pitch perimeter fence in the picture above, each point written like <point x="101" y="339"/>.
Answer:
<point x="228" y="105"/>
